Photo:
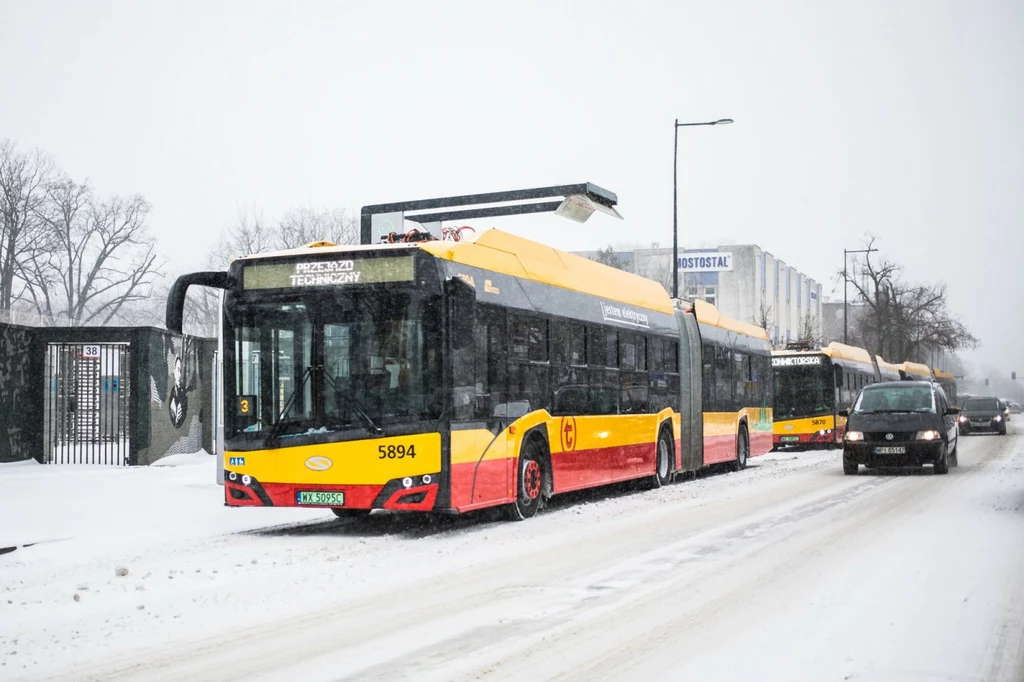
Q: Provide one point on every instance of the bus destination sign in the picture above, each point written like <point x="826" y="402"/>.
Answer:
<point x="328" y="273"/>
<point x="797" y="361"/>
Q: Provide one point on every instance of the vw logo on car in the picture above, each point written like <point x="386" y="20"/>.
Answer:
<point x="888" y="436"/>
<point x="319" y="463"/>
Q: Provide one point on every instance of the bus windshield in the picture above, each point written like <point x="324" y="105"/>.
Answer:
<point x="803" y="391"/>
<point x="338" y="361"/>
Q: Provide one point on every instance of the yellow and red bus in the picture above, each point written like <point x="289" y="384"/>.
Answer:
<point x="449" y="375"/>
<point x="812" y="385"/>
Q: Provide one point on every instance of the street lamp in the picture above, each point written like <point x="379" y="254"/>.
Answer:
<point x="846" y="254"/>
<point x="675" y="197"/>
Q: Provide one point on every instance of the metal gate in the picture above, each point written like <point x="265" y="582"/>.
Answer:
<point x="86" y="411"/>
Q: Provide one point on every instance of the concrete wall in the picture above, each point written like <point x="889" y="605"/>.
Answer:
<point x="155" y="389"/>
<point x="21" y="386"/>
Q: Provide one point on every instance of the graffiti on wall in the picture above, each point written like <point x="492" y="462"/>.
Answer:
<point x="176" y="427"/>
<point x="16" y="387"/>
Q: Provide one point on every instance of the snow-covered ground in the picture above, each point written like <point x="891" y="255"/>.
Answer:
<point x="786" y="571"/>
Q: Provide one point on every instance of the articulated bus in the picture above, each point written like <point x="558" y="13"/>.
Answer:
<point x="812" y="386"/>
<point x="447" y="374"/>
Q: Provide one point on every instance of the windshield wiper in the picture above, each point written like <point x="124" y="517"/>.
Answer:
<point x="371" y="426"/>
<point x="278" y="426"/>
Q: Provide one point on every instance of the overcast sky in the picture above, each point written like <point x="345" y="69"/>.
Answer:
<point x="905" y="119"/>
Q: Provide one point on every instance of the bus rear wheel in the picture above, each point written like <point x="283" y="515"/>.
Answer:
<point x="662" y="460"/>
<point x="529" y="482"/>
<point x="742" y="450"/>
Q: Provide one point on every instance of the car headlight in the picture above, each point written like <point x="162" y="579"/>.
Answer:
<point x="963" y="418"/>
<point x="997" y="418"/>
<point x="854" y="435"/>
<point x="931" y="434"/>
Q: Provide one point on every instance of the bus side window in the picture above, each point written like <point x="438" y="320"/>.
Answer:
<point x="491" y="360"/>
<point x="708" y="391"/>
<point x="741" y="375"/>
<point x="724" y="371"/>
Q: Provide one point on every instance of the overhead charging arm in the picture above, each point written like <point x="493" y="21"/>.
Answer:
<point x="575" y="202"/>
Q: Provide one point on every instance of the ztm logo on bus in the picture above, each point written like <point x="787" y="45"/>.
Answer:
<point x="567" y="432"/>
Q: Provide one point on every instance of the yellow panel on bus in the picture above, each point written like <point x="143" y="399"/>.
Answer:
<point x="360" y="462"/>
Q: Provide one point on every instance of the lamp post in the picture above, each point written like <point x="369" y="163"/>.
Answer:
<point x="846" y="254"/>
<point x="675" y="197"/>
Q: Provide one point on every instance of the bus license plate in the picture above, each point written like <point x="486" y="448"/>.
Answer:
<point x="322" y="499"/>
<point x="791" y="439"/>
<point x="891" y="450"/>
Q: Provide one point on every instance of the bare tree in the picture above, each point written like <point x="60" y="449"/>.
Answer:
<point x="809" y="331"/>
<point x="657" y="271"/>
<point x="24" y="178"/>
<point x="905" y="321"/>
<point x="252" y="233"/>
<point x="764" y="316"/>
<point x="607" y="256"/>
<point x="306" y="225"/>
<point x="101" y="256"/>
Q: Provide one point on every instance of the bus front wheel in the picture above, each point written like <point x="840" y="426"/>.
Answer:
<point x="342" y="513"/>
<point x="529" y="482"/>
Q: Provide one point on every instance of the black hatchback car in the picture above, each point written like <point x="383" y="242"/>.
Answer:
<point x="901" y="423"/>
<point x="983" y="414"/>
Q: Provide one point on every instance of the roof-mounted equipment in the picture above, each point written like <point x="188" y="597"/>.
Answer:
<point x="385" y="222"/>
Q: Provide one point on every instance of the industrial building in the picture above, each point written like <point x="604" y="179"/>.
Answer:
<point x="742" y="281"/>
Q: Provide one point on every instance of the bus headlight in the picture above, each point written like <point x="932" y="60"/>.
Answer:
<point x="854" y="436"/>
<point x="931" y="434"/>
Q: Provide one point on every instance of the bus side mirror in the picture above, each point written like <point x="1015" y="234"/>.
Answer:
<point x="839" y="375"/>
<point x="174" y="312"/>
<point x="462" y="304"/>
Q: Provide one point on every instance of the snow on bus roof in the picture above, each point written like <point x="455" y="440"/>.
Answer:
<point x="916" y="368"/>
<point x="708" y="314"/>
<point x="835" y="350"/>
<point x="885" y="364"/>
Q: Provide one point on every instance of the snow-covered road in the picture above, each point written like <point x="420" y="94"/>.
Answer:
<point x="786" y="571"/>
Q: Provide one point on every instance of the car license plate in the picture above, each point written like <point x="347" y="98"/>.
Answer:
<point x="979" y="423"/>
<point x="791" y="439"/>
<point x="891" y="450"/>
<point x="322" y="499"/>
